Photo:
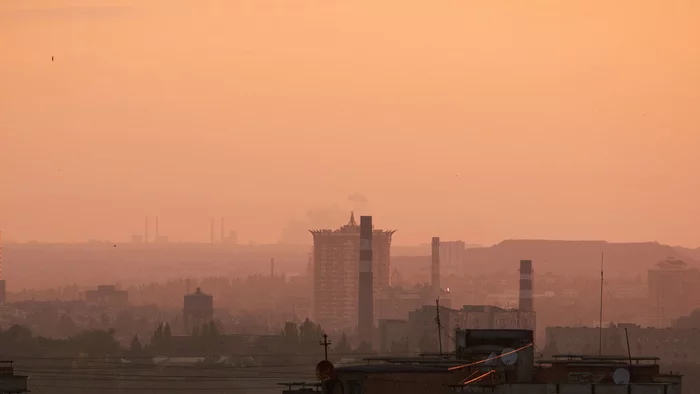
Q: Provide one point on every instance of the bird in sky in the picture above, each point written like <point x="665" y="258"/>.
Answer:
<point x="51" y="58"/>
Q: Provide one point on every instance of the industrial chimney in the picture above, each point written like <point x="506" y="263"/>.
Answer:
<point x="525" y="302"/>
<point x="222" y="229"/>
<point x="211" y="232"/>
<point x="435" y="266"/>
<point x="2" y="278"/>
<point x="365" y="305"/>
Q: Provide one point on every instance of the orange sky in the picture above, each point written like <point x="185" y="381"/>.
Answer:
<point x="475" y="119"/>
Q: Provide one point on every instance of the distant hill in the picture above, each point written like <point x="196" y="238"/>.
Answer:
<point x="580" y="258"/>
<point x="688" y="253"/>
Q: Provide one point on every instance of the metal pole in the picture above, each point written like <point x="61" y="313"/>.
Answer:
<point x="325" y="343"/>
<point x="629" y="351"/>
<point x="600" y="328"/>
<point x="439" y="326"/>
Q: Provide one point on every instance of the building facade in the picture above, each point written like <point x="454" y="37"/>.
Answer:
<point x="452" y="256"/>
<point x="673" y="291"/>
<point x="107" y="296"/>
<point x="336" y="263"/>
<point x="672" y="345"/>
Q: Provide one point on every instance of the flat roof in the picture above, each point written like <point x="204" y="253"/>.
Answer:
<point x="593" y="361"/>
<point x="392" y="368"/>
<point x="593" y="357"/>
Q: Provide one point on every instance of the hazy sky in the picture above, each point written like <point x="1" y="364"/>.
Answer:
<point x="474" y="119"/>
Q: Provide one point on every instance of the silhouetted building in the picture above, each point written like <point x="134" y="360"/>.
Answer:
<point x="674" y="291"/>
<point x="336" y="270"/>
<point x="495" y="318"/>
<point x="452" y="256"/>
<point x="397" y="302"/>
<point x="107" y="296"/>
<point x="198" y="310"/>
<point x="435" y="265"/>
<point x="423" y="329"/>
<point x="9" y="382"/>
<point x="393" y="336"/>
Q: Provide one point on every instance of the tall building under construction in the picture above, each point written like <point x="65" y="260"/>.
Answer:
<point x="336" y="271"/>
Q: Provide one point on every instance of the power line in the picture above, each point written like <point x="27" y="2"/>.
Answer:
<point x="491" y="358"/>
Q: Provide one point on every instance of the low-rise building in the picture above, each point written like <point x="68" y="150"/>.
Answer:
<point x="107" y="296"/>
<point x="672" y="345"/>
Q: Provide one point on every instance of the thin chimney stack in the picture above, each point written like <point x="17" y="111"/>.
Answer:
<point x="2" y="278"/>
<point x="435" y="265"/>
<point x="366" y="289"/>
<point x="211" y="231"/>
<point x="525" y="302"/>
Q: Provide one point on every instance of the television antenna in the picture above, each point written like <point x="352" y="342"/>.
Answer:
<point x="509" y="356"/>
<point x="621" y="376"/>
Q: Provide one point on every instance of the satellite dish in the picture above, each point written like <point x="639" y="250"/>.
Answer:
<point x="621" y="376"/>
<point x="324" y="370"/>
<point x="509" y="356"/>
<point x="491" y="360"/>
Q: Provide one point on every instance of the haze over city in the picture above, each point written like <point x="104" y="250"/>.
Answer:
<point x="361" y="197"/>
<point x="480" y="120"/>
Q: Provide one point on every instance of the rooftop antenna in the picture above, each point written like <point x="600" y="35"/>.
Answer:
<point x="1" y="277"/>
<point x="629" y="351"/>
<point x="600" y="326"/>
<point x="509" y="356"/>
<point x="439" y="326"/>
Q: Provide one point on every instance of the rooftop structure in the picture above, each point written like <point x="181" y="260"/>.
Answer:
<point x="107" y="296"/>
<point x="673" y="291"/>
<point x="502" y="362"/>
<point x="336" y="270"/>
<point x="198" y="309"/>
<point x="9" y="382"/>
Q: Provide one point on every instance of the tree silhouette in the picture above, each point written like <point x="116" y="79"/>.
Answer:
<point x="363" y="348"/>
<point x="66" y="326"/>
<point x="399" y="346"/>
<point x="135" y="349"/>
<point x="96" y="343"/>
<point x="213" y="329"/>
<point x="342" y="347"/>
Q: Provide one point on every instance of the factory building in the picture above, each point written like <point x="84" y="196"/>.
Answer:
<point x="336" y="271"/>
